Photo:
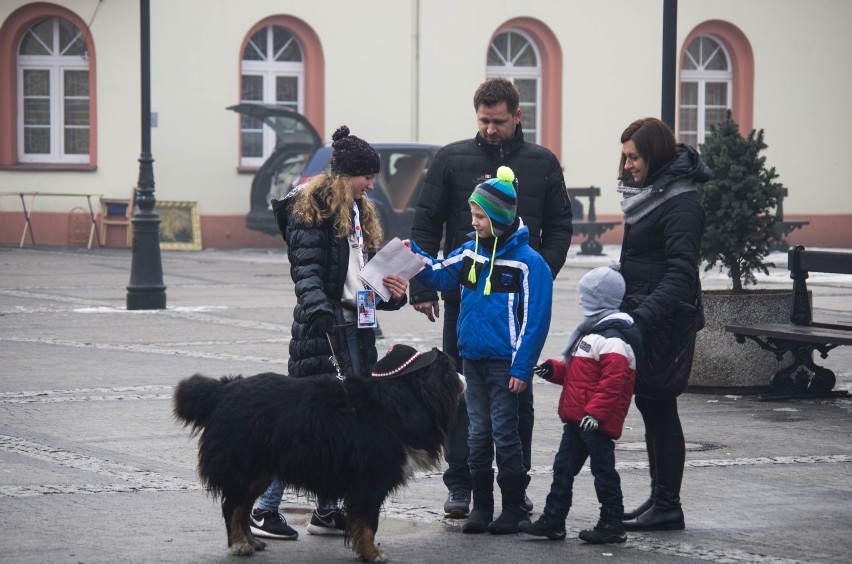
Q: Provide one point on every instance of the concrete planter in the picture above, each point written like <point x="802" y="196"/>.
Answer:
<point x="722" y="362"/>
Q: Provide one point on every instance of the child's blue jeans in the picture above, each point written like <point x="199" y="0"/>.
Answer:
<point x="493" y="413"/>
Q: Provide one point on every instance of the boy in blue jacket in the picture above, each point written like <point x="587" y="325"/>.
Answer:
<point x="506" y="294"/>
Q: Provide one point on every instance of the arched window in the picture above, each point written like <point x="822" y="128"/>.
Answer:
<point x="514" y="56"/>
<point x="706" y="85"/>
<point x="740" y="72"/>
<point x="54" y="121"/>
<point x="273" y="72"/>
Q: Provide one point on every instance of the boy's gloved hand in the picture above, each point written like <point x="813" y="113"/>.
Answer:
<point x="589" y="423"/>
<point x="544" y="370"/>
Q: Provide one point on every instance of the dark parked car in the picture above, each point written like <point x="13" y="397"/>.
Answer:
<point x="300" y="154"/>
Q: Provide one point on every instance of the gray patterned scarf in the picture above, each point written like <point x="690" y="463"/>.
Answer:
<point x="639" y="202"/>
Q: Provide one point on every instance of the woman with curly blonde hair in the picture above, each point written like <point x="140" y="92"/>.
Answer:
<point x="331" y="229"/>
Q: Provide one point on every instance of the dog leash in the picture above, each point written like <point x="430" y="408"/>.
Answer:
<point x="333" y="358"/>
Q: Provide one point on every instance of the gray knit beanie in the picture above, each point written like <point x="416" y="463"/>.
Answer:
<point x="601" y="289"/>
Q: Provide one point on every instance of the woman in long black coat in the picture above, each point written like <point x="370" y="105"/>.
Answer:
<point x="660" y="255"/>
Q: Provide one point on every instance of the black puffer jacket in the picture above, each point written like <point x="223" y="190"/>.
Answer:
<point x="660" y="255"/>
<point x="318" y="263"/>
<point x="459" y="167"/>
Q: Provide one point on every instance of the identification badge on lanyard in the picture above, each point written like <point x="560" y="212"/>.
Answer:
<point x="365" y="304"/>
<point x="365" y="300"/>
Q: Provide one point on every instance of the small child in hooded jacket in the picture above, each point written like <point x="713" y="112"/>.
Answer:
<point x="597" y="377"/>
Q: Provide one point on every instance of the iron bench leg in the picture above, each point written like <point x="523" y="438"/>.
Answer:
<point x="802" y="378"/>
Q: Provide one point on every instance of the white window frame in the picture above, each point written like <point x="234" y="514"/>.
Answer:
<point x="702" y="78"/>
<point x="532" y="132"/>
<point x="56" y="65"/>
<point x="269" y="70"/>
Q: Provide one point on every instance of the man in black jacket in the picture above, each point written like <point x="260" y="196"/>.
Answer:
<point x="443" y="211"/>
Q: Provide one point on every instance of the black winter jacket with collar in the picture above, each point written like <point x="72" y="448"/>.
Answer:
<point x="443" y="210"/>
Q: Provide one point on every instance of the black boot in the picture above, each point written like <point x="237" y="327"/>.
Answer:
<point x="483" y="502"/>
<point x="512" y="486"/>
<point x="657" y="519"/>
<point x="652" y="469"/>
<point x="608" y="530"/>
<point x="645" y="506"/>
<point x="665" y="514"/>
<point x="528" y="504"/>
<point x="546" y="526"/>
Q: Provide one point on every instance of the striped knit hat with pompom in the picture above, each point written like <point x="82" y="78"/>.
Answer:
<point x="498" y="199"/>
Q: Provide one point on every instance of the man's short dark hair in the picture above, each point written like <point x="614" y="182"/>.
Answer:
<point x="496" y="90"/>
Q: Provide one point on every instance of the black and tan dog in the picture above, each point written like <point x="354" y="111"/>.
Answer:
<point x="355" y="439"/>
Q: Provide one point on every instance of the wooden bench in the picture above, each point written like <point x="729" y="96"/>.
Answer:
<point x="802" y="336"/>
<point x="783" y="227"/>
<point x="590" y="226"/>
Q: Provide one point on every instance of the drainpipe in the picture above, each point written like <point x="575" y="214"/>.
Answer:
<point x="415" y="71"/>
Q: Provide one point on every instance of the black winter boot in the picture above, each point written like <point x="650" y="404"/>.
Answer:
<point x="652" y="469"/>
<point x="665" y="514"/>
<point x="608" y="530"/>
<point x="546" y="526"/>
<point x="483" y="502"/>
<point x="657" y="519"/>
<point x="528" y="504"/>
<point x="512" y="487"/>
<point x="645" y="506"/>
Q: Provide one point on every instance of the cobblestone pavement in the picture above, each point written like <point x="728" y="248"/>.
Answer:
<point x="93" y="468"/>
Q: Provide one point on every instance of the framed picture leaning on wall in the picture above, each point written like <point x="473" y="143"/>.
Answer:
<point x="180" y="227"/>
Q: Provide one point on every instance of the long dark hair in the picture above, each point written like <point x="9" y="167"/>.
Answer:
<point x="655" y="143"/>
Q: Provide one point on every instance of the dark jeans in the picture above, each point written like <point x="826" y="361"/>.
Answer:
<point x="577" y="446"/>
<point x="457" y="474"/>
<point x="493" y="412"/>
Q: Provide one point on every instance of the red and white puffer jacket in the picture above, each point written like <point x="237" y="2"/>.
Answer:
<point x="599" y="377"/>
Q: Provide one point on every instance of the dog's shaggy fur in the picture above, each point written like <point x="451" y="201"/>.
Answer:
<point x="357" y="440"/>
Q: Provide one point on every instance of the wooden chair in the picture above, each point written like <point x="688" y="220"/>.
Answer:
<point x="116" y="212"/>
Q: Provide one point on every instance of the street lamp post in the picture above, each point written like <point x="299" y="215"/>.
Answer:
<point x="669" y="90"/>
<point x="146" y="289"/>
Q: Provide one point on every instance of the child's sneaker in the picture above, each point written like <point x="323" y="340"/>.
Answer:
<point x="546" y="526"/>
<point x="331" y="523"/>
<point x="605" y="532"/>
<point x="271" y="525"/>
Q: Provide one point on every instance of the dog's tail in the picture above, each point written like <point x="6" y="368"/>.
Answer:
<point x="195" y="399"/>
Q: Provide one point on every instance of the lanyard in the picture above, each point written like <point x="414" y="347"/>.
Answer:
<point x="359" y="236"/>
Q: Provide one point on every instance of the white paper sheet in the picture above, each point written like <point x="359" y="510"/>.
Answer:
<point x="393" y="258"/>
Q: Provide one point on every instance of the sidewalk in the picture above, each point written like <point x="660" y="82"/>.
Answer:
<point x="93" y="468"/>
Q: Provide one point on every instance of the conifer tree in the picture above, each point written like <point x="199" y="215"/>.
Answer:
<point x="738" y="203"/>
